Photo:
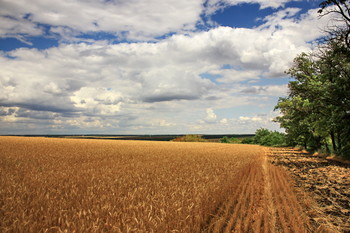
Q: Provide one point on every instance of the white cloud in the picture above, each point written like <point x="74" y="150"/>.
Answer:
<point x="18" y="28"/>
<point x="255" y="118"/>
<point x="161" y="123"/>
<point x="209" y="121"/>
<point x="8" y="114"/>
<point x="132" y="19"/>
<point x="223" y="121"/>
<point x="124" y="86"/>
<point x="257" y="121"/>
<point x="98" y="101"/>
<point x="232" y="75"/>
<point x="242" y="124"/>
<point x="211" y="116"/>
<point x="268" y="90"/>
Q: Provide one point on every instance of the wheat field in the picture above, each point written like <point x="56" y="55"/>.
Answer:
<point x="80" y="185"/>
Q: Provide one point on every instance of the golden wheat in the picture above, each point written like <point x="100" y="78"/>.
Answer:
<point x="80" y="185"/>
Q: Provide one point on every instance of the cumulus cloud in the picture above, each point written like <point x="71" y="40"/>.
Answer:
<point x="72" y="20"/>
<point x="255" y="118"/>
<point x="97" y="100"/>
<point x="67" y="75"/>
<point x="211" y="116"/>
<point x="125" y="85"/>
<point x="19" y="28"/>
<point x="129" y="19"/>
<point x="256" y="121"/>
<point x="247" y="124"/>
<point x="270" y="90"/>
<point x="233" y="75"/>
<point x="162" y="123"/>
<point x="210" y="120"/>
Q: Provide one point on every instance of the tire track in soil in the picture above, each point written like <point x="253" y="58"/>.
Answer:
<point x="263" y="200"/>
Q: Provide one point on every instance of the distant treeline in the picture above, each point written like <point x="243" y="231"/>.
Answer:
<point x="165" y="137"/>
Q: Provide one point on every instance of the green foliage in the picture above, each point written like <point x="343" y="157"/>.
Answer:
<point x="249" y="140"/>
<point x="316" y="114"/>
<point x="190" y="138"/>
<point x="226" y="139"/>
<point x="266" y="137"/>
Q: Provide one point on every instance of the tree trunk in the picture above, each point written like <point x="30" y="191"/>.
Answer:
<point x="333" y="142"/>
<point x="319" y="142"/>
<point x="339" y="141"/>
<point x="327" y="148"/>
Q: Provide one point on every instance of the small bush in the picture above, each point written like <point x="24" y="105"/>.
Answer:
<point x="190" y="138"/>
<point x="249" y="140"/>
<point x="266" y="137"/>
<point x="226" y="139"/>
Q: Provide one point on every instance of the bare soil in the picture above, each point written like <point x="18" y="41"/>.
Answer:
<point x="264" y="200"/>
<point x="326" y="181"/>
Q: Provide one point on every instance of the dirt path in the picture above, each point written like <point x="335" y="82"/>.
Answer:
<point x="265" y="200"/>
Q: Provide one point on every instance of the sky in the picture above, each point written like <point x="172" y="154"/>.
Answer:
<point x="149" y="66"/>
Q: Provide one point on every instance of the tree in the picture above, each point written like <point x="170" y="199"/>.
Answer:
<point x="317" y="109"/>
<point x="318" y="106"/>
<point x="266" y="137"/>
<point x="335" y="69"/>
<point x="293" y="120"/>
<point x="341" y="11"/>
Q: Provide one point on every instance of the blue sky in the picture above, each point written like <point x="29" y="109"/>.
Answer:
<point x="148" y="67"/>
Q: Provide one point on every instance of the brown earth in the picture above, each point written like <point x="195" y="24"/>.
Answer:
<point x="265" y="201"/>
<point x="67" y="185"/>
<point x="325" y="180"/>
